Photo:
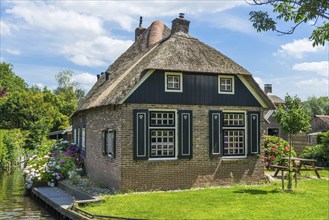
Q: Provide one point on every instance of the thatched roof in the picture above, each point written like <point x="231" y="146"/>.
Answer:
<point x="158" y="49"/>
<point x="276" y="100"/>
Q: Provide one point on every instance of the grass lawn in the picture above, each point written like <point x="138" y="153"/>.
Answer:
<point x="309" y="201"/>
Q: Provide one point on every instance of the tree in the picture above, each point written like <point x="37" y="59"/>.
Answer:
<point x="9" y="81"/>
<point x="297" y="12"/>
<point x="317" y="106"/>
<point x="293" y="119"/>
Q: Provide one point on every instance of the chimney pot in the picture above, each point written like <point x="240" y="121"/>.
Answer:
<point x="107" y="75"/>
<point x="139" y="30"/>
<point x="98" y="76"/>
<point x="267" y="88"/>
<point x="180" y="24"/>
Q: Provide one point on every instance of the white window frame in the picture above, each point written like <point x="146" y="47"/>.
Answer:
<point x="245" y="128"/>
<point x="226" y="77"/>
<point x="180" y="81"/>
<point x="83" y="139"/>
<point x="78" y="137"/>
<point x="175" y="128"/>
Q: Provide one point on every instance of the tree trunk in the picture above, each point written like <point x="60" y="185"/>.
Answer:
<point x="289" y="186"/>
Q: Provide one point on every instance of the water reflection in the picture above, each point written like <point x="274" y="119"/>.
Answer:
<point x="15" y="203"/>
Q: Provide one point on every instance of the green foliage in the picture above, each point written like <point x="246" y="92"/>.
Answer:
<point x="9" y="80"/>
<point x="319" y="152"/>
<point x="292" y="117"/>
<point x="275" y="148"/>
<point x="11" y="148"/>
<point x="309" y="201"/>
<point x="295" y="12"/>
<point x="317" y="106"/>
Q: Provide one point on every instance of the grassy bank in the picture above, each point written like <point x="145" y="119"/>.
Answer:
<point x="309" y="201"/>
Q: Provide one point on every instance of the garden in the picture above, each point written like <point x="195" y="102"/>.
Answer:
<point x="52" y="162"/>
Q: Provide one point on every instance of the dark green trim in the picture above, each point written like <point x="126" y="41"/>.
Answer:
<point x="141" y="139"/>
<point x="185" y="133"/>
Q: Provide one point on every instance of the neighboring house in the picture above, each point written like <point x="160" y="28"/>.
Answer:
<point x="172" y="113"/>
<point x="320" y="123"/>
<point x="272" y="127"/>
<point x="61" y="134"/>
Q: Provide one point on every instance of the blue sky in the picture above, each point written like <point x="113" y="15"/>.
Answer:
<point x="41" y="38"/>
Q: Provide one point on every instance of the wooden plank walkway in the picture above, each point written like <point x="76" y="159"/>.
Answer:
<point x="55" y="195"/>
<point x="58" y="199"/>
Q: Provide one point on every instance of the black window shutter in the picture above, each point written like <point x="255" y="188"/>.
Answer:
<point x="185" y="133"/>
<point x="103" y="141"/>
<point x="215" y="133"/>
<point x="140" y="134"/>
<point x="254" y="133"/>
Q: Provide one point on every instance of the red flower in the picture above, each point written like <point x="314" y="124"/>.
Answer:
<point x="272" y="157"/>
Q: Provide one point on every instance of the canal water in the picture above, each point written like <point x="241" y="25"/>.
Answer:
<point x="15" y="203"/>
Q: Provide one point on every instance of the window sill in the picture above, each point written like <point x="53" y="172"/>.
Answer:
<point x="162" y="159"/>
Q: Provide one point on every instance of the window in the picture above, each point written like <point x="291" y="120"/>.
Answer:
<point x="228" y="134"/>
<point x="162" y="134"/>
<point x="78" y="137"/>
<point x="233" y="142"/>
<point x="273" y="132"/>
<point x="234" y="134"/>
<point x="226" y="84"/>
<point x="83" y="141"/>
<point x="108" y="141"/>
<point x="75" y="136"/>
<point x="173" y="82"/>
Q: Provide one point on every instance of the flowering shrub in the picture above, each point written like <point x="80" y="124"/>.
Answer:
<point x="275" y="148"/>
<point x="53" y="164"/>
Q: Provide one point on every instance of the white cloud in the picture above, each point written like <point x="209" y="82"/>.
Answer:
<point x="39" y="85"/>
<point x="6" y="28"/>
<point x="298" y="48"/>
<point x="315" y="83"/>
<point x="42" y="16"/>
<point x="99" y="52"/>
<point x="126" y="13"/>
<point x="85" y="80"/>
<point x="13" y="51"/>
<point x="320" y="68"/>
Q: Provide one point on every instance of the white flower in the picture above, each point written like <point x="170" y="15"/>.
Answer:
<point x="46" y="156"/>
<point x="58" y="167"/>
<point x="58" y="177"/>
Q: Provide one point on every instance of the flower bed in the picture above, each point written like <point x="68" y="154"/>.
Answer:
<point x="275" y="148"/>
<point x="51" y="164"/>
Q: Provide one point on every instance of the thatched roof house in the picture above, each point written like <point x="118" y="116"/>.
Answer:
<point x="171" y="112"/>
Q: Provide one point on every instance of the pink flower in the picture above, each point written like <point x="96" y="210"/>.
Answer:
<point x="273" y="149"/>
<point x="272" y="157"/>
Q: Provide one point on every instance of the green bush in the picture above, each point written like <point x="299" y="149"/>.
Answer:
<point x="50" y="164"/>
<point x="275" y="148"/>
<point x="11" y="148"/>
<point x="319" y="152"/>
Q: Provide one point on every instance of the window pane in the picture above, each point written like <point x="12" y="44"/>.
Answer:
<point x="161" y="142"/>
<point x="233" y="119"/>
<point x="233" y="142"/>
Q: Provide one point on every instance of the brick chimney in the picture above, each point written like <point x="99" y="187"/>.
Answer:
<point x="180" y="24"/>
<point x="139" y="31"/>
<point x="267" y="88"/>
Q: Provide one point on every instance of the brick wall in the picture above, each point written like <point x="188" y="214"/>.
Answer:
<point x="124" y="173"/>
<point x="199" y="171"/>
